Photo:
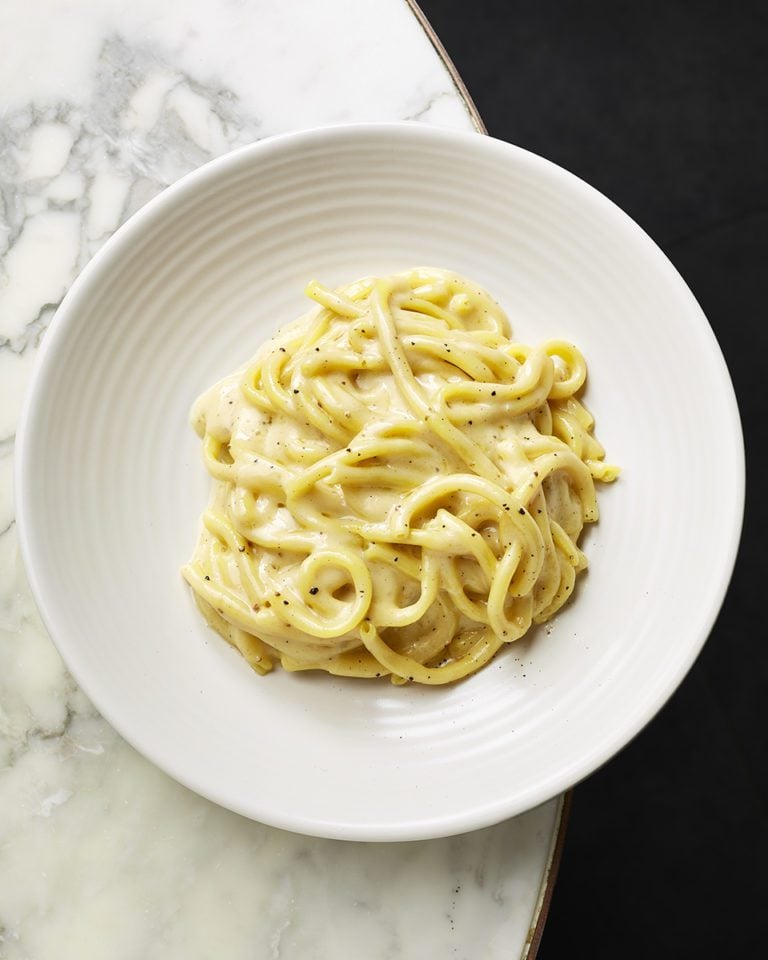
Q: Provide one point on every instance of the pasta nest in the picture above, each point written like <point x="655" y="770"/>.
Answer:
<point x="398" y="485"/>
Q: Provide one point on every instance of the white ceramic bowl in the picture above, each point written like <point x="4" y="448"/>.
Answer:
<point x="111" y="484"/>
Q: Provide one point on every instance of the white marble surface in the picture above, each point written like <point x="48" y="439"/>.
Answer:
<point x="102" y="104"/>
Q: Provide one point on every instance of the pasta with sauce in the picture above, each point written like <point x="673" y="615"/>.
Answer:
<point x="398" y="486"/>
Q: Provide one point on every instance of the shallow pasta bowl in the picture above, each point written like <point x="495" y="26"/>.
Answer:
<point x="110" y="481"/>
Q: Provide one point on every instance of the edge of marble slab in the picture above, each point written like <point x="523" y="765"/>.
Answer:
<point x="450" y="66"/>
<point x="554" y="856"/>
<point x="549" y="878"/>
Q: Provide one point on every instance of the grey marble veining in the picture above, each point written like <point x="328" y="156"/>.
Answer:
<point x="102" y="105"/>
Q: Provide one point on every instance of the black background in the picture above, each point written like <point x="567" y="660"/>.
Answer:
<point x="663" y="106"/>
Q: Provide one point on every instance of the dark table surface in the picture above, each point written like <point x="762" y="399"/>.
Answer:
<point x="663" y="106"/>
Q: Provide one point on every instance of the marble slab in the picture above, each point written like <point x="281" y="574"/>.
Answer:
<point x="102" y="104"/>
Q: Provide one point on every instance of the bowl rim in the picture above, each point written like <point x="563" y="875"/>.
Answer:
<point x="481" y="815"/>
